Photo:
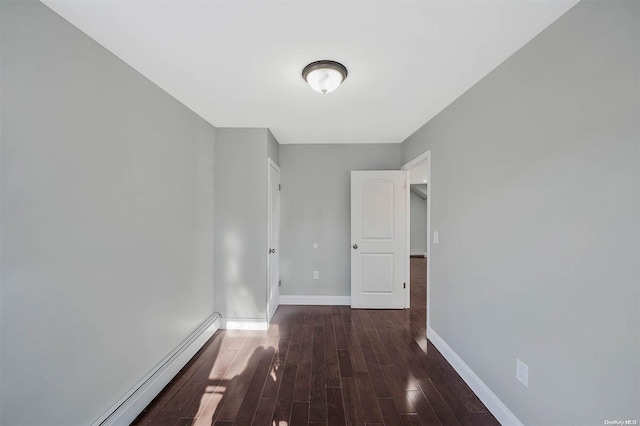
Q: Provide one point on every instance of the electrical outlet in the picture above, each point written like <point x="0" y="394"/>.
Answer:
<point x="436" y="237"/>
<point x="316" y="275"/>
<point x="522" y="373"/>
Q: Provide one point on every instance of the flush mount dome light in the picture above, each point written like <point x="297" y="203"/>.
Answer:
<point x="324" y="76"/>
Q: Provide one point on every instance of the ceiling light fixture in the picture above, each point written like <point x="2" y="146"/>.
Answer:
<point x="324" y="76"/>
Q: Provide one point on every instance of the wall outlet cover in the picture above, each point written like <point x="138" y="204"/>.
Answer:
<point x="522" y="372"/>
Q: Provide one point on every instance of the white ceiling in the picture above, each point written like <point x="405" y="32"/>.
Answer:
<point x="239" y="63"/>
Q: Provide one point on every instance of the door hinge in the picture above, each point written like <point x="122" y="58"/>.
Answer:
<point x="279" y="187"/>
<point x="279" y="283"/>
<point x="404" y="285"/>
<point x="404" y="186"/>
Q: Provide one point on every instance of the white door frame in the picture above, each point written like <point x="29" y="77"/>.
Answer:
<point x="271" y="164"/>
<point x="421" y="159"/>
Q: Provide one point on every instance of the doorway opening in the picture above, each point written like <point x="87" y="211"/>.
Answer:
<point x="419" y="245"/>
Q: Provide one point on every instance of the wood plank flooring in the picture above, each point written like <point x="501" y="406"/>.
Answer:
<point x="322" y="365"/>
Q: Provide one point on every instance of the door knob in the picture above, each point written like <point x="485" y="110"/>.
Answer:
<point x="273" y="250"/>
<point x="355" y="246"/>
<point x="270" y="251"/>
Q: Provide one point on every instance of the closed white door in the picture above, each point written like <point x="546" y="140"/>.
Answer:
<point x="273" y="264"/>
<point x="378" y="239"/>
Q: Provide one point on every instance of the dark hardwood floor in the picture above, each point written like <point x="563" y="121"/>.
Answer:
<point x="418" y="311"/>
<point x="323" y="365"/>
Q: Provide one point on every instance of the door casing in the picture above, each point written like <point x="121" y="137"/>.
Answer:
<point x="421" y="159"/>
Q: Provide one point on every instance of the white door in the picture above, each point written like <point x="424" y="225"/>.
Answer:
<point x="273" y="263"/>
<point x="378" y="239"/>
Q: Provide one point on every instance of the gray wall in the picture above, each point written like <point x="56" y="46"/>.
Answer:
<point x="418" y="216"/>
<point x="315" y="207"/>
<point x="241" y="221"/>
<point x="535" y="191"/>
<point x="107" y="222"/>
<point x="273" y="147"/>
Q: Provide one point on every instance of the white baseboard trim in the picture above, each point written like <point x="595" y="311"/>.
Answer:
<point x="133" y="402"/>
<point x="314" y="300"/>
<point x="418" y="253"/>
<point x="244" y="324"/>
<point x="488" y="398"/>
